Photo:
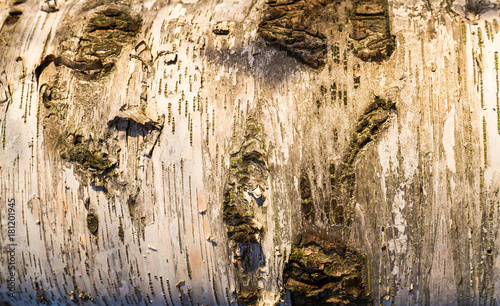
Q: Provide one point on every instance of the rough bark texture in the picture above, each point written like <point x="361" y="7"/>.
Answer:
<point x="300" y="27"/>
<point x="372" y="30"/>
<point x="325" y="272"/>
<point x="249" y="152"/>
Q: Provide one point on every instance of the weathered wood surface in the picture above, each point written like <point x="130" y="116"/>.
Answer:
<point x="133" y="133"/>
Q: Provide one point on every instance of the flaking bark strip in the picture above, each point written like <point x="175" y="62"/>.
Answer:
<point x="323" y="271"/>
<point x="298" y="27"/>
<point x="367" y="129"/>
<point x="371" y="30"/>
<point x="248" y="174"/>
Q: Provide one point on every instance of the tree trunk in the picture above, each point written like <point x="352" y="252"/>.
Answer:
<point x="249" y="152"/>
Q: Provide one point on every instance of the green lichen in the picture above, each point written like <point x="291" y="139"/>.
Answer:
<point x="480" y="41"/>
<point x="87" y="158"/>
<point x="92" y="222"/>
<point x="305" y="194"/>
<point x="297" y="254"/>
<point x="305" y="186"/>
<point x="497" y="91"/>
<point x="485" y="142"/>
<point x="121" y="233"/>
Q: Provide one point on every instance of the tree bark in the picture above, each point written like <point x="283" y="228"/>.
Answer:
<point x="249" y="152"/>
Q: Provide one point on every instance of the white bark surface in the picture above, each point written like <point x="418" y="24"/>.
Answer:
<point x="426" y="208"/>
